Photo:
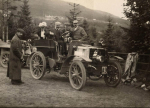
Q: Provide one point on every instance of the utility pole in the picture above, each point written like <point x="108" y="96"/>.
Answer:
<point x="6" y="14"/>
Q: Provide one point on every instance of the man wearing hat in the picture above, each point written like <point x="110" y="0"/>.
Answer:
<point x="15" y="58"/>
<point x="42" y="30"/>
<point x="79" y="34"/>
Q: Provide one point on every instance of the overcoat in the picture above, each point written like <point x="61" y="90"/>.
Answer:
<point x="14" y="67"/>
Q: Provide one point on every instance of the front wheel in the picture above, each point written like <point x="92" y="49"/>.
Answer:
<point x="4" y="58"/>
<point x="77" y="75"/>
<point x="114" y="72"/>
<point x="37" y="65"/>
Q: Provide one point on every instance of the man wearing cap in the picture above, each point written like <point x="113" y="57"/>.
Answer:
<point x="79" y="34"/>
<point x="15" y="58"/>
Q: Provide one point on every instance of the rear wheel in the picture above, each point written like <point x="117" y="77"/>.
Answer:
<point x="114" y="72"/>
<point x="37" y="65"/>
<point x="77" y="75"/>
<point x="4" y="58"/>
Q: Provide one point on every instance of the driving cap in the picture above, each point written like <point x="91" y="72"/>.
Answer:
<point x="20" y="30"/>
<point x="75" y="21"/>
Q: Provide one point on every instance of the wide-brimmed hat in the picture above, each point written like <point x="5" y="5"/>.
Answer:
<point x="20" y="30"/>
<point x="43" y="24"/>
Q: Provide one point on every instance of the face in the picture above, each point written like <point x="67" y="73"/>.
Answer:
<point x="57" y="26"/>
<point x="75" y="24"/>
<point x="19" y="34"/>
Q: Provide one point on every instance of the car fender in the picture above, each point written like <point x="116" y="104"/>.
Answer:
<point x="67" y="63"/>
<point x="118" y="58"/>
<point x="28" y="59"/>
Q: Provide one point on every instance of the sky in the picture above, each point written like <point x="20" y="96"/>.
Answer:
<point x="114" y="7"/>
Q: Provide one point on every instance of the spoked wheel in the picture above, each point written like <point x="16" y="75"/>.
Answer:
<point x="114" y="72"/>
<point x="4" y="59"/>
<point x="37" y="65"/>
<point x="77" y="75"/>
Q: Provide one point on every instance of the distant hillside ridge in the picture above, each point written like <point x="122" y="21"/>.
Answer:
<point x="40" y="8"/>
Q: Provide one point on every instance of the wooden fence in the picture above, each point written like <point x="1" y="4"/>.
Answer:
<point x="143" y="64"/>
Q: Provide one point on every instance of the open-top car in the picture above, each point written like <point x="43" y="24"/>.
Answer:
<point x="85" y="61"/>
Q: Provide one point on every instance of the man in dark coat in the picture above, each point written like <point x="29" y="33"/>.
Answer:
<point x="15" y="58"/>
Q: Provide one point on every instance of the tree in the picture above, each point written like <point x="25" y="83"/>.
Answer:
<point x="85" y="25"/>
<point x="115" y="38"/>
<point x="73" y="13"/>
<point x="120" y="40"/>
<point x="108" y="37"/>
<point x="25" y="19"/>
<point x="137" y="11"/>
<point x="6" y="18"/>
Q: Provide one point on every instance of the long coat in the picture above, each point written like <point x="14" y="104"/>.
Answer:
<point x="14" y="65"/>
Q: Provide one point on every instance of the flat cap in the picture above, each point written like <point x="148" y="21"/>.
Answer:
<point x="20" y="30"/>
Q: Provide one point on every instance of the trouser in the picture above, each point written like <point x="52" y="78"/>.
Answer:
<point x="62" y="47"/>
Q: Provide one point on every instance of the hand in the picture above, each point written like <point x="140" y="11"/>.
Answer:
<point x="51" y="33"/>
<point x="56" y="43"/>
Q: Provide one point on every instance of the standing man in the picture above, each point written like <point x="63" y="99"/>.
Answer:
<point x="15" y="58"/>
<point x="79" y="34"/>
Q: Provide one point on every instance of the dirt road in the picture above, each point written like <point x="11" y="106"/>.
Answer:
<point x="54" y="90"/>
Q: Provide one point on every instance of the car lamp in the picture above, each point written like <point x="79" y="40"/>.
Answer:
<point x="34" y="49"/>
<point x="100" y="58"/>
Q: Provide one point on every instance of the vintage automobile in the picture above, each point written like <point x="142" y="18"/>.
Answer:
<point x="85" y="61"/>
<point x="4" y="53"/>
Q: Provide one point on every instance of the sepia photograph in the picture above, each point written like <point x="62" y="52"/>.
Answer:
<point x="74" y="53"/>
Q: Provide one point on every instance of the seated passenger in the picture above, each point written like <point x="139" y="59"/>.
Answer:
<point x="42" y="29"/>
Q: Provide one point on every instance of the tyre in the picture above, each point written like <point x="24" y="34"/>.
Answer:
<point x="4" y="58"/>
<point x="37" y="65"/>
<point x="77" y="75"/>
<point x="114" y="72"/>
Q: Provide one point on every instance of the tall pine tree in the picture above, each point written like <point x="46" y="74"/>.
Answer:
<point x="25" y="19"/>
<point x="73" y="13"/>
<point x="109" y="39"/>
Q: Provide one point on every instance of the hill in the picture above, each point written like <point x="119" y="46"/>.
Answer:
<point x="39" y="8"/>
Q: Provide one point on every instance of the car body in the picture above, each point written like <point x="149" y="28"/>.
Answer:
<point x="85" y="61"/>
